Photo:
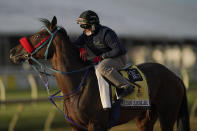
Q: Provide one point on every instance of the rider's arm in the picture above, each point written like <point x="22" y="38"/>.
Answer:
<point x="113" y="42"/>
<point x="80" y="41"/>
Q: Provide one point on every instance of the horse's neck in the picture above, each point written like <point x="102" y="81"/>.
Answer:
<point x="65" y="60"/>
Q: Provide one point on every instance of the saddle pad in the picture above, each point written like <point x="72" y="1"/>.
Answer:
<point x="140" y="96"/>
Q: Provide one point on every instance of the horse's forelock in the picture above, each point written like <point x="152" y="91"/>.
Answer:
<point x="46" y="22"/>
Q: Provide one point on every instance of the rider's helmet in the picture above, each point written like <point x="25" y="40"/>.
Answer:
<point x="87" y="19"/>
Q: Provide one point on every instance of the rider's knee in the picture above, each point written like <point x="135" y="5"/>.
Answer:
<point x="104" y="70"/>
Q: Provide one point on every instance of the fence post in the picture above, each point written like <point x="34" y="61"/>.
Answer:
<point x="34" y="88"/>
<point x="2" y="93"/>
<point x="192" y="114"/>
<point x="15" y="117"/>
<point x="185" y="77"/>
<point x="49" y="119"/>
<point x="32" y="82"/>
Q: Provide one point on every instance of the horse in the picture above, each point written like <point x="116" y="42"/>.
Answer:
<point x="167" y="91"/>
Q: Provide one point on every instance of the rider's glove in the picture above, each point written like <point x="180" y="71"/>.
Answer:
<point x="97" y="59"/>
<point x="83" y="54"/>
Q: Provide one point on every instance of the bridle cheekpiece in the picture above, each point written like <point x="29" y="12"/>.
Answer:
<point x="46" y="41"/>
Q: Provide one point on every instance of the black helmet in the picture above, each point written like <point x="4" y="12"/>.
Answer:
<point x="88" y="17"/>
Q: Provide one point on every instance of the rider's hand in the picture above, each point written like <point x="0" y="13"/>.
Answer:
<point x="83" y="54"/>
<point x="97" y="59"/>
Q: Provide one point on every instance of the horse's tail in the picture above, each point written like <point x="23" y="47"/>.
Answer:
<point x="183" y="123"/>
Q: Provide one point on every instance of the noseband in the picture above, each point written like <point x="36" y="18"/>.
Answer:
<point x="33" y="50"/>
<point x="28" y="47"/>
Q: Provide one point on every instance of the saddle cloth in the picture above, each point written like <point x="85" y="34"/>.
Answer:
<point x="138" y="98"/>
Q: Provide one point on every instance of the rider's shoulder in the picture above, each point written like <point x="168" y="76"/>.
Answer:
<point x="107" y="29"/>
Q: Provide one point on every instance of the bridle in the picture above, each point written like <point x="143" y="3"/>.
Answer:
<point x="46" y="41"/>
<point x="33" y="50"/>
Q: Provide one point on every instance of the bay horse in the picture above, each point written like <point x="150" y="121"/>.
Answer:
<point x="167" y="91"/>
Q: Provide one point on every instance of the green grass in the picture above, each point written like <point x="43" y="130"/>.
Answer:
<point x="24" y="93"/>
<point x="32" y="117"/>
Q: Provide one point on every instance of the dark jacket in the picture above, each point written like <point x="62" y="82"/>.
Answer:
<point x="104" y="42"/>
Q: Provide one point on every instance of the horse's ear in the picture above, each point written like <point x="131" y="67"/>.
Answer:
<point x="53" y="23"/>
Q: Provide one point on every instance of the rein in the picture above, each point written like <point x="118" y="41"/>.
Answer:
<point x="55" y="95"/>
<point x="33" y="50"/>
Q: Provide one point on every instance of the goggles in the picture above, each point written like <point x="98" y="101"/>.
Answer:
<point x="83" y="23"/>
<point x="85" y="26"/>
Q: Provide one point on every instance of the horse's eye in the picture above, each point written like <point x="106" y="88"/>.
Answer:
<point x="36" y="37"/>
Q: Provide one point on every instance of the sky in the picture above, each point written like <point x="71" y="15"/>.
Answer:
<point x="142" y="18"/>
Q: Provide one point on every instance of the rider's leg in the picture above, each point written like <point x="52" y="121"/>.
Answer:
<point x="108" y="68"/>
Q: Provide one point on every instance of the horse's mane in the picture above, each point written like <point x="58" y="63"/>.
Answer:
<point x="47" y="23"/>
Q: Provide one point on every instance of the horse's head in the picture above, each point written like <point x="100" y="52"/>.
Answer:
<point x="32" y="45"/>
